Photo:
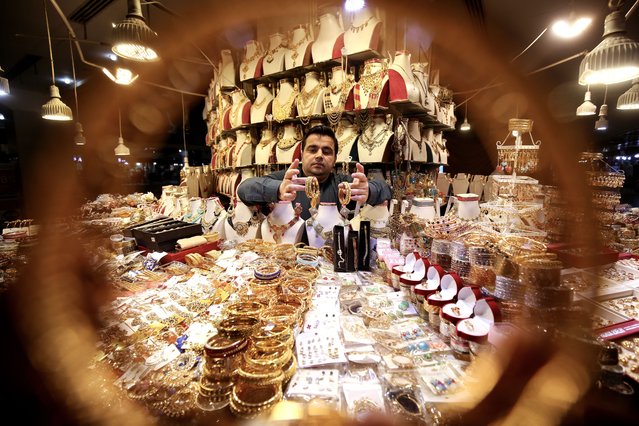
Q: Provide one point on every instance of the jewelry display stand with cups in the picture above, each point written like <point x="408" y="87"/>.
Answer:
<point x="242" y="223"/>
<point x="403" y="86"/>
<point x="283" y="224"/>
<point x="467" y="206"/>
<point x="372" y="145"/>
<point x="364" y="32"/>
<point x="330" y="38"/>
<point x="452" y="313"/>
<point x="288" y="144"/>
<point x="265" y="149"/>
<point x="298" y="51"/>
<point x="311" y="96"/>
<point x="285" y="101"/>
<point x="227" y="70"/>
<point x="371" y="90"/>
<point x="263" y="104"/>
<point x="240" y="114"/>
<point x="319" y="227"/>
<point x="273" y="60"/>
<point x="251" y="65"/>
<point x="477" y="329"/>
<point x="243" y="152"/>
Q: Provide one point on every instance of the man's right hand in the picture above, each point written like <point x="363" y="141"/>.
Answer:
<point x="291" y="183"/>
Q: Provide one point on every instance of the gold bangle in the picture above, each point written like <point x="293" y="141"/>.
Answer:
<point x="344" y="193"/>
<point x="312" y="189"/>
<point x="244" y="309"/>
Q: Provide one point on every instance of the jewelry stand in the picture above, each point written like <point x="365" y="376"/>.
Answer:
<point x="283" y="224"/>
<point x="230" y="150"/>
<point x="415" y="145"/>
<point x="284" y="102"/>
<point x="205" y="181"/>
<point x="273" y="60"/>
<point x="310" y="99"/>
<point x="320" y="227"/>
<point x="372" y="89"/>
<point x="182" y="207"/>
<point x="364" y="32"/>
<point x="428" y="136"/>
<point x="242" y="223"/>
<point x="240" y="113"/>
<point x="443" y="184"/>
<point x="262" y="105"/>
<point x="213" y="219"/>
<point x="243" y="154"/>
<point x="339" y="96"/>
<point x="227" y="67"/>
<point x="420" y="76"/>
<point x="265" y="149"/>
<point x="347" y="134"/>
<point x="251" y="66"/>
<point x="197" y="207"/>
<point x="377" y="216"/>
<point x="477" y="184"/>
<point x="330" y="38"/>
<point x="372" y="145"/>
<point x="298" y="52"/>
<point x="460" y="184"/>
<point x="403" y="86"/>
<point x="288" y="146"/>
<point x="192" y="183"/>
<point x="424" y="208"/>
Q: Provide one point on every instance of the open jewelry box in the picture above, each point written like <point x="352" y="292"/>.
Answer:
<point x="449" y="287"/>
<point x="463" y="307"/>
<point x="485" y="314"/>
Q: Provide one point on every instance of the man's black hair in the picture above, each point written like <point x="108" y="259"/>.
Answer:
<point x="321" y="130"/>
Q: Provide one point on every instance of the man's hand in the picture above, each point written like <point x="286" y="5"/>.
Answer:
<point x="291" y="183"/>
<point x="359" y="187"/>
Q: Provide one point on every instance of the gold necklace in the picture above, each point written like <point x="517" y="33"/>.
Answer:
<point x="265" y="142"/>
<point x="372" y="85"/>
<point x="372" y="141"/>
<point x="306" y="100"/>
<point x="362" y="26"/>
<point x="269" y="54"/>
<point x="288" y="143"/>
<point x="282" y="112"/>
<point x="334" y="112"/>
<point x="235" y="111"/>
<point x="247" y="61"/>
<point x="294" y="47"/>
<point x="344" y="142"/>
<point x="259" y="104"/>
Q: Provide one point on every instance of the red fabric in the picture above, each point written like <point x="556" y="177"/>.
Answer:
<point x="258" y="68"/>
<point x="246" y="113"/>
<point x="298" y="152"/>
<point x="308" y="54"/>
<point x="383" y="96"/>
<point x="398" y="90"/>
<point x="350" y="100"/>
<point x="337" y="47"/>
<point x="180" y="255"/>
<point x="227" y="120"/>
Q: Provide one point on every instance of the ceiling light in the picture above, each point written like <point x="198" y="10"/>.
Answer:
<point x="122" y="76"/>
<point x="79" y="138"/>
<point x="465" y="126"/>
<point x="121" y="149"/>
<point x="132" y="38"/>
<point x="615" y="59"/>
<point x="602" y="121"/>
<point x="55" y="109"/>
<point x="354" y="5"/>
<point x="587" y="108"/>
<point x="4" y="85"/>
<point x="630" y="98"/>
<point x="570" y="29"/>
<point x="1" y="116"/>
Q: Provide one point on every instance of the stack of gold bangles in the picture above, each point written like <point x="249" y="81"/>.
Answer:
<point x="312" y="189"/>
<point x="344" y="193"/>
<point x="248" y="402"/>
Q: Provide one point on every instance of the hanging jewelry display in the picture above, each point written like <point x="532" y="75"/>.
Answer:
<point x="306" y="100"/>
<point x="282" y="111"/>
<point x="518" y="157"/>
<point x="334" y="112"/>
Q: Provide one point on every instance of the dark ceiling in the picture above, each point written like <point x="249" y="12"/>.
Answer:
<point x="511" y="25"/>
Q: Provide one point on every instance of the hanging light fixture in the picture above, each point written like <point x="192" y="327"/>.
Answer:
<point x="132" y="38"/>
<point x="79" y="138"/>
<point x="571" y="28"/>
<point x="121" y="149"/>
<point x="123" y="76"/>
<point x="4" y="85"/>
<point x="630" y="98"/>
<point x="465" y="126"/>
<point x="587" y="107"/>
<point x="602" y="122"/>
<point x="55" y="109"/>
<point x="616" y="57"/>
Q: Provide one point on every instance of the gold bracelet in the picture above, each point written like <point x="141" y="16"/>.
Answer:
<point x="344" y="193"/>
<point x="312" y="189"/>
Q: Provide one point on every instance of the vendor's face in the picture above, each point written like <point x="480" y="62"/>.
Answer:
<point x="318" y="157"/>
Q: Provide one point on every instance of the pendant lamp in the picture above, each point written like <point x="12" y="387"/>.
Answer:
<point x="132" y="38"/>
<point x="602" y="122"/>
<point x="630" y="98"/>
<point x="4" y="85"/>
<point x="465" y="126"/>
<point x="121" y="149"/>
<point x="616" y="57"/>
<point x="587" y="107"/>
<point x="55" y="109"/>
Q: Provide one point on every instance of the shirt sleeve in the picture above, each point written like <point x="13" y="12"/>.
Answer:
<point x="261" y="189"/>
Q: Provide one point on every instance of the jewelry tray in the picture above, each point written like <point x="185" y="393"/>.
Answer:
<point x="161" y="234"/>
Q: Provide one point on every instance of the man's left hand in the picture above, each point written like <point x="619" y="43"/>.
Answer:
<point x="359" y="187"/>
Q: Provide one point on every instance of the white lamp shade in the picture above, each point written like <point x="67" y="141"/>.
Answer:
<point x="55" y="109"/>
<point x="121" y="149"/>
<point x="465" y="126"/>
<point x="630" y="98"/>
<point x="587" y="107"/>
<point x="616" y="57"/>
<point x="79" y="138"/>
<point x="132" y="38"/>
<point x="4" y="86"/>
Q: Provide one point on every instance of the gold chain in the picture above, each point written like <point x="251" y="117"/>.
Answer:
<point x="362" y="26"/>
<point x="306" y="99"/>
